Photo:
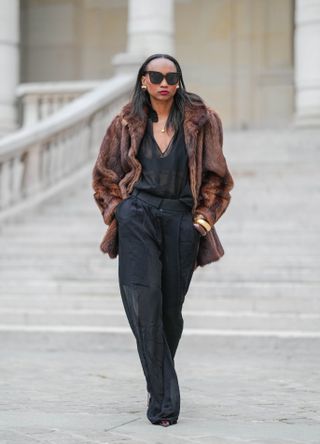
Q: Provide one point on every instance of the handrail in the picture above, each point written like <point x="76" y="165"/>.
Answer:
<point x="38" y="100"/>
<point x="35" y="159"/>
<point x="25" y="89"/>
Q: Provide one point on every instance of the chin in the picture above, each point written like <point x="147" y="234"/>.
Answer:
<point x="163" y="98"/>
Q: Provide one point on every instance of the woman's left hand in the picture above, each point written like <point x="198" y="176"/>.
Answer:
<point x="201" y="229"/>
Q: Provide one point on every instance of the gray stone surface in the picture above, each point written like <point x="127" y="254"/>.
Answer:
<point x="248" y="361"/>
<point x="65" y="388"/>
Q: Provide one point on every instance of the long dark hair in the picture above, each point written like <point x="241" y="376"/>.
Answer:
<point x="141" y="99"/>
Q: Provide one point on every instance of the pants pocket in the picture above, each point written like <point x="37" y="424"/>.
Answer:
<point x="119" y="207"/>
<point x="189" y="245"/>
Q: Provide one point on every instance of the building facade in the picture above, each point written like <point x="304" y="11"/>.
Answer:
<point x="255" y="61"/>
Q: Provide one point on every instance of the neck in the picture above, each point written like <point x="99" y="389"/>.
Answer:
<point x="161" y="108"/>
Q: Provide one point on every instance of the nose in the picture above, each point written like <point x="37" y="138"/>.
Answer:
<point x="164" y="82"/>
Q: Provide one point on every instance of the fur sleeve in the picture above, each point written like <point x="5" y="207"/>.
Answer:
<point x="216" y="179"/>
<point x="107" y="172"/>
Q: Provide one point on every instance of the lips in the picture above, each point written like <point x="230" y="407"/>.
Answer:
<point x="164" y="93"/>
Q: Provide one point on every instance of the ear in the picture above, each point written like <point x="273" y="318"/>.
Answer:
<point x="143" y="81"/>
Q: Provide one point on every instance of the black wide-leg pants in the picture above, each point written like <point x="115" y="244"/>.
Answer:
<point x="157" y="252"/>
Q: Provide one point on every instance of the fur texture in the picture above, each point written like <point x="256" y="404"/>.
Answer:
<point x="117" y="170"/>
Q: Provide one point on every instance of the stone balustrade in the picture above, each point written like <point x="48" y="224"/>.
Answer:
<point x="37" y="160"/>
<point x="39" y="100"/>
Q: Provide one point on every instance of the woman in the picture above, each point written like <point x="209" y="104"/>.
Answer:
<point x="161" y="182"/>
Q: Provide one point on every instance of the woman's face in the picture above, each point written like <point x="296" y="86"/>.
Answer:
<point x="162" y="91"/>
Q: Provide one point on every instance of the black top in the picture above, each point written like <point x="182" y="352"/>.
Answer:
<point x="165" y="174"/>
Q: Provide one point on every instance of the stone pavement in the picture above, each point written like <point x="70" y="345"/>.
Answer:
<point x="248" y="361"/>
<point x="88" y="388"/>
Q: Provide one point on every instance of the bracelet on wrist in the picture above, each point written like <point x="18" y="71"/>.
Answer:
<point x="201" y="221"/>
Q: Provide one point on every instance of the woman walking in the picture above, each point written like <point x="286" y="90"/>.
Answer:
<point x="161" y="182"/>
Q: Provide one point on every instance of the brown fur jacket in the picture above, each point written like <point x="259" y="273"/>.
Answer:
<point x="117" y="170"/>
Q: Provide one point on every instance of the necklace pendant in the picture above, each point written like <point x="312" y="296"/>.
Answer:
<point x="162" y="130"/>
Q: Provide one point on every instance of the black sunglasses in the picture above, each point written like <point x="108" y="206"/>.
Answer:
<point x="156" y="77"/>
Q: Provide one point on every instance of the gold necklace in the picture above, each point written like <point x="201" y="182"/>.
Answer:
<point x="164" y="128"/>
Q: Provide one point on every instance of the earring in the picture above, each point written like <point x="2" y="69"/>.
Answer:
<point x="177" y="86"/>
<point x="143" y="87"/>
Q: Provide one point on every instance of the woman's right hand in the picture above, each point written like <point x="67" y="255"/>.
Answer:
<point x="200" y="228"/>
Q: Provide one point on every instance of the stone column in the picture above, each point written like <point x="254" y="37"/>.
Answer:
<point x="150" y="30"/>
<point x="9" y="56"/>
<point x="307" y="62"/>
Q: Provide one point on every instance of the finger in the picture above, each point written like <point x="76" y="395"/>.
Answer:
<point x="201" y="229"/>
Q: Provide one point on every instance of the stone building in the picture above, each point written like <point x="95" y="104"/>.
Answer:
<point x="256" y="61"/>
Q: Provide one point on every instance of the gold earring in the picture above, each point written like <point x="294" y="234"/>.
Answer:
<point x="143" y="87"/>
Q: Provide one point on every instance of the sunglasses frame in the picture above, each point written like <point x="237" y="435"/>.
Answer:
<point x="163" y="76"/>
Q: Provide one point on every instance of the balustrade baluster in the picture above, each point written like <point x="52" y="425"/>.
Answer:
<point x="31" y="110"/>
<point x="5" y="184"/>
<point x="45" y="108"/>
<point x="82" y="145"/>
<point x="45" y="164"/>
<point x="51" y="162"/>
<point x="55" y="159"/>
<point x="31" y="181"/>
<point x="17" y="171"/>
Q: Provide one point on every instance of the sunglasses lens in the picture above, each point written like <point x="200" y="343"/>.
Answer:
<point x="155" y="77"/>
<point x="172" y="78"/>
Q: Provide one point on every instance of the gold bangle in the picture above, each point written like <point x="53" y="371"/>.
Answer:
<point x="200" y="216"/>
<point x="204" y="223"/>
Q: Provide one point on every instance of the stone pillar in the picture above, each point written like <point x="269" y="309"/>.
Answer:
<point x="150" y="30"/>
<point x="307" y="62"/>
<point x="9" y="56"/>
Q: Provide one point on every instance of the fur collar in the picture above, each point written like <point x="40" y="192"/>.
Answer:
<point x="194" y="118"/>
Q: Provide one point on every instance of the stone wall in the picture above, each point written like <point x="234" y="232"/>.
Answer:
<point x="71" y="39"/>
<point x="237" y="54"/>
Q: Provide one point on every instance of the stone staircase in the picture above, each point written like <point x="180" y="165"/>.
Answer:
<point x="54" y="277"/>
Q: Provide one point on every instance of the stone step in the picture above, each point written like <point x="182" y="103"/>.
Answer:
<point x="242" y="235"/>
<point x="192" y="319"/>
<point x="90" y="283"/>
<point x="260" y="267"/>
<point x="205" y="302"/>
<point x="52" y="273"/>
<point x="223" y="295"/>
<point x="88" y="250"/>
<point x="257" y="233"/>
<point x="258" y="275"/>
